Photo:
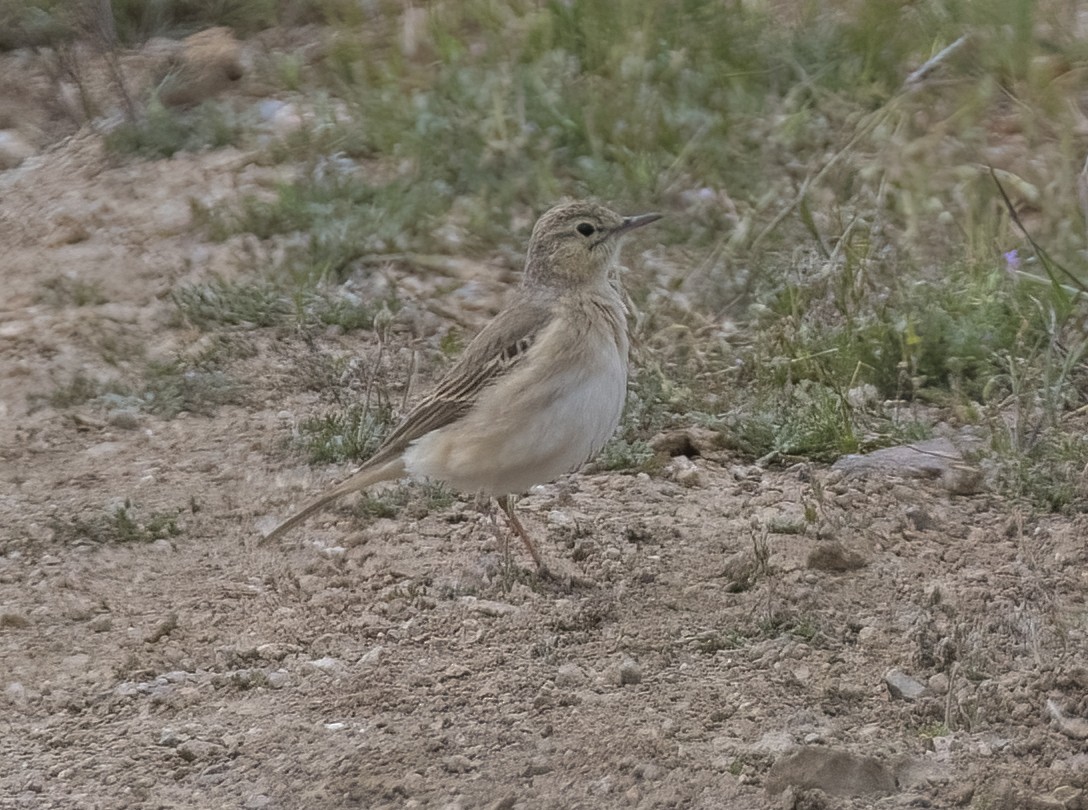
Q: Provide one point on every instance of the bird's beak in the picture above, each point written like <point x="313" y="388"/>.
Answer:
<point x="630" y="223"/>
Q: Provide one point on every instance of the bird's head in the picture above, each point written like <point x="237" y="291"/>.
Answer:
<point x="577" y="243"/>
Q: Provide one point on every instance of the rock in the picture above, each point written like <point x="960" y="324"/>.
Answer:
<point x="836" y="772"/>
<point x="15" y="693"/>
<point x="920" y="519"/>
<point x="683" y="471"/>
<point x="328" y="665"/>
<point x="488" y="607"/>
<point x="458" y="763"/>
<point x="275" y="651"/>
<point x="938" y="684"/>
<point x="455" y="672"/>
<point x="278" y="679"/>
<point x="199" y="750"/>
<point x="1075" y="727"/>
<point x="537" y="767"/>
<point x="835" y="557"/>
<point x="371" y="658"/>
<point x="14" y="149"/>
<point x="902" y="686"/>
<point x="569" y="675"/>
<point x="164" y="627"/>
<point x="625" y="673"/>
<point x="933" y="458"/>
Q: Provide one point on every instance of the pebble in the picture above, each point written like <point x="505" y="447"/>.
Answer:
<point x="14" y="149"/>
<point x="328" y="665"/>
<point x="15" y="692"/>
<point x="902" y="686"/>
<point x="568" y="675"/>
<point x="164" y="627"/>
<point x="199" y="750"/>
<point x="278" y="679"/>
<point x="938" y="684"/>
<point x="626" y="673"/>
<point x="683" y="471"/>
<point x="488" y="607"/>
<point x="371" y="658"/>
<point x="1074" y="727"/>
<point x="458" y="763"/>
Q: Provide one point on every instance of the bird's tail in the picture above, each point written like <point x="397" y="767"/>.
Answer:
<point x="359" y="480"/>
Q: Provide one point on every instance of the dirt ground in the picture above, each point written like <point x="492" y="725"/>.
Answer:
<point x="702" y="630"/>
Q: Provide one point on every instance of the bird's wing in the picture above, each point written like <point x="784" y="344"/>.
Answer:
<point x="500" y="346"/>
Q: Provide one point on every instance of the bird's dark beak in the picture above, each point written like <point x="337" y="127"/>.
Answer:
<point x="630" y="223"/>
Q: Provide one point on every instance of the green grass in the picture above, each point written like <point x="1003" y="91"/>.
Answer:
<point x="124" y="524"/>
<point x="261" y="303"/>
<point x="413" y="501"/>
<point x="162" y="132"/>
<point x="349" y="434"/>
<point x="197" y="385"/>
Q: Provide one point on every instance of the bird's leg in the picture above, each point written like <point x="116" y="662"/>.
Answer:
<point x="506" y="502"/>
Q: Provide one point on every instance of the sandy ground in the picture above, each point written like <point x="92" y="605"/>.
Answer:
<point x="699" y="636"/>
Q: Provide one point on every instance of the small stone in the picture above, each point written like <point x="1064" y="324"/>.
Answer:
<point x="169" y="737"/>
<point x="1074" y="727"/>
<point x="162" y="628"/>
<point x="537" y="767"/>
<point x="943" y="747"/>
<point x="902" y="686"/>
<point x="15" y="693"/>
<point x="278" y="679"/>
<point x="488" y="607"/>
<point x="569" y="675"/>
<point x="648" y="771"/>
<point x="1068" y="796"/>
<point x="627" y="672"/>
<point x="101" y="623"/>
<point x="868" y="635"/>
<point x="920" y="519"/>
<point x="371" y="658"/>
<point x="199" y="750"/>
<point x="458" y="763"/>
<point x="683" y="471"/>
<point x="938" y="684"/>
<point x="455" y="672"/>
<point x="328" y="665"/>
<point x="14" y="149"/>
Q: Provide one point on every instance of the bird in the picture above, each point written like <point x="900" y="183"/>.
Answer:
<point x="539" y="390"/>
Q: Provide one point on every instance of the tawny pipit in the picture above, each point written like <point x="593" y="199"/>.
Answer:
<point x="539" y="390"/>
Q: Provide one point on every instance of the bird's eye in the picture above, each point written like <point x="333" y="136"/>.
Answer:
<point x="585" y="229"/>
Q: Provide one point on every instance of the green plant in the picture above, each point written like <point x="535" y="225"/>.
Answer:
<point x="122" y="524"/>
<point x="352" y="434"/>
<point x="162" y="132"/>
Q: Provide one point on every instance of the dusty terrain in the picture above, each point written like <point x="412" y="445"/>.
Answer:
<point x="708" y="621"/>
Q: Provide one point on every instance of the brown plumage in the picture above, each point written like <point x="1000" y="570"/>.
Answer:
<point x="539" y="390"/>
